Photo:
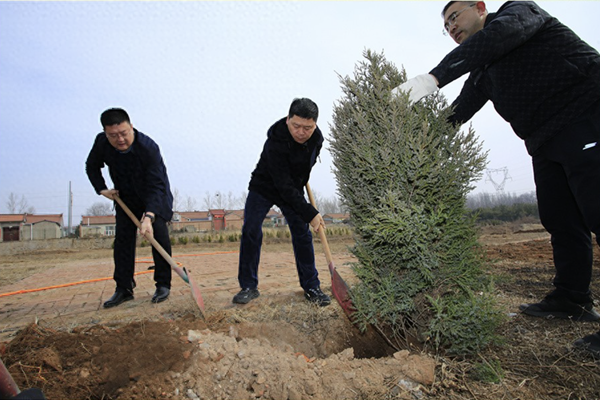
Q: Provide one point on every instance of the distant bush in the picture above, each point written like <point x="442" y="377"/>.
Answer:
<point x="492" y="200"/>
<point x="338" y="231"/>
<point x="505" y="213"/>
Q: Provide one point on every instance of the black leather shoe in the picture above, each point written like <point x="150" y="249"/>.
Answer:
<point x="316" y="296"/>
<point x="554" y="305"/>
<point x="161" y="294"/>
<point x="589" y="343"/>
<point x="245" y="295"/>
<point x="118" y="298"/>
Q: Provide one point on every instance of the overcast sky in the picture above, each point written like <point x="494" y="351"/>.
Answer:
<point x="205" y="80"/>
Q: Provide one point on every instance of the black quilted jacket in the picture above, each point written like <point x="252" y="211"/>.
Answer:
<point x="537" y="72"/>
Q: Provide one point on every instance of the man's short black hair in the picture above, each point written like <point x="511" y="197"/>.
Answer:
<point x="446" y="7"/>
<point x="455" y="1"/>
<point x="304" y="108"/>
<point x="452" y="2"/>
<point x="114" y="116"/>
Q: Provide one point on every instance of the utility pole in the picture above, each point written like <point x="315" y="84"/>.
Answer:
<point x="498" y="185"/>
<point x="70" y="209"/>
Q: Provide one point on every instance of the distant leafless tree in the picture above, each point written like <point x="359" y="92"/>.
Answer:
<point x="231" y="200"/>
<point x="242" y="200"/>
<point x="234" y="203"/>
<point x="190" y="204"/>
<point x="176" y="200"/>
<point x="207" y="201"/>
<point x="12" y="203"/>
<point x="18" y="205"/>
<point x="331" y="205"/>
<point x="490" y="200"/>
<point x="182" y="202"/>
<point x="219" y="200"/>
<point x="328" y="205"/>
<point x="99" y="208"/>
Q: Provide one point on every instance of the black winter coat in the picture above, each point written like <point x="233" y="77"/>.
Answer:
<point x="145" y="177"/>
<point x="284" y="169"/>
<point x="538" y="73"/>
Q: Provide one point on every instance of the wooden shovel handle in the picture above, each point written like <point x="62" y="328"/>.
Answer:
<point x="182" y="272"/>
<point x="322" y="229"/>
<point x="151" y="239"/>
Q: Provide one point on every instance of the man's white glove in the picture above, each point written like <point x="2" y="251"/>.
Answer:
<point x="418" y="87"/>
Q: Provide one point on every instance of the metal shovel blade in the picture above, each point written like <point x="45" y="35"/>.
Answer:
<point x="195" y="292"/>
<point x="339" y="288"/>
<point x="341" y="292"/>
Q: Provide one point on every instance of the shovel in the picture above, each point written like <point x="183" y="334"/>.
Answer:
<point x="10" y="390"/>
<point x="182" y="272"/>
<point x="339" y="288"/>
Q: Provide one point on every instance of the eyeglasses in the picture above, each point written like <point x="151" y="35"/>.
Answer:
<point x="451" y="21"/>
<point x="121" y="135"/>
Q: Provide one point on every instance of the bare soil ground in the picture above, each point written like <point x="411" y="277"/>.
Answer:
<point x="283" y="348"/>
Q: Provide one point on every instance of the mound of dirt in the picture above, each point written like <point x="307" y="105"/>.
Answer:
<point x="229" y="368"/>
<point x="309" y="355"/>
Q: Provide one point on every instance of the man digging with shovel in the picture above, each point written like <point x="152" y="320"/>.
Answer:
<point x="140" y="177"/>
<point x="292" y="147"/>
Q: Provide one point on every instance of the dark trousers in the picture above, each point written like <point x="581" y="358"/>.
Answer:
<point x="255" y="211"/>
<point x="567" y="177"/>
<point x="124" y="252"/>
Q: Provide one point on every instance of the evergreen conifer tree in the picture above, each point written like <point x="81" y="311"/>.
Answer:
<point x="404" y="173"/>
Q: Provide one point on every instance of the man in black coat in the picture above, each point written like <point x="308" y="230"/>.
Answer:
<point x="140" y="178"/>
<point x="292" y="147"/>
<point x="545" y="81"/>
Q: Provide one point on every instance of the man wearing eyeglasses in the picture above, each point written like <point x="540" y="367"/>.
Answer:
<point x="291" y="150"/>
<point x="140" y="179"/>
<point x="545" y="81"/>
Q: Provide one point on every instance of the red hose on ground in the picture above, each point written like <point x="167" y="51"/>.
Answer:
<point x="107" y="278"/>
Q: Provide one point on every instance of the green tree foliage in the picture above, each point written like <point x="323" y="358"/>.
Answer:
<point x="403" y="173"/>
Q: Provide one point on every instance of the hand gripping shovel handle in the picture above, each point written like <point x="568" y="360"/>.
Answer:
<point x="339" y="288"/>
<point x="182" y="272"/>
